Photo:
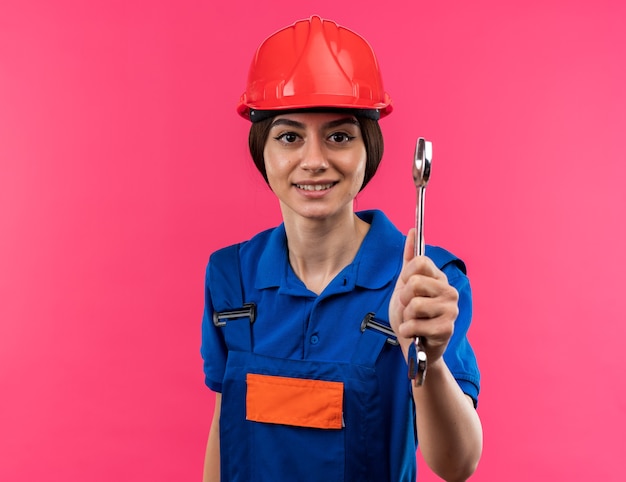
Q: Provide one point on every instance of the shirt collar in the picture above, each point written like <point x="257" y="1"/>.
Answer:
<point x="379" y="259"/>
<point x="377" y="263"/>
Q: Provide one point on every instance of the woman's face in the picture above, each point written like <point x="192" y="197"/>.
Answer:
<point x="315" y="163"/>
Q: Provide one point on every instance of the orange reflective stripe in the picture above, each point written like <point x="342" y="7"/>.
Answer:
<point x="294" y="401"/>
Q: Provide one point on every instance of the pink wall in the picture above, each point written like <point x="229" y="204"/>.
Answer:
<point x="123" y="165"/>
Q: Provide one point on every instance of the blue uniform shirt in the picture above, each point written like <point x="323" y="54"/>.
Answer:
<point x="294" y="323"/>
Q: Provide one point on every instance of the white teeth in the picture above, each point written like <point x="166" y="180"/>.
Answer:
<point x="316" y="187"/>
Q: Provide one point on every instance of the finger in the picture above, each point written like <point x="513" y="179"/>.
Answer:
<point x="432" y="333"/>
<point x="431" y="282"/>
<point x="420" y="286"/>
<point x="425" y="297"/>
<point x="422" y="308"/>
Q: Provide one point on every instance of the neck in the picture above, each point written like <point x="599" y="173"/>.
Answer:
<point x="320" y="249"/>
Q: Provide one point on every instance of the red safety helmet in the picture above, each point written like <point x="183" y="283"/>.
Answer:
<point x="314" y="63"/>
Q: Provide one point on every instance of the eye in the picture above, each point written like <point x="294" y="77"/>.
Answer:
<point x="287" y="137"/>
<point x="340" y="137"/>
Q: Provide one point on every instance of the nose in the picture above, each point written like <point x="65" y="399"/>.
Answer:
<point x="313" y="155"/>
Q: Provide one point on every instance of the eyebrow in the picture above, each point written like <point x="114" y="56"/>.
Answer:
<point x="328" y="125"/>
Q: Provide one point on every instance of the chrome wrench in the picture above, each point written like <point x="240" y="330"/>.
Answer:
<point x="421" y="173"/>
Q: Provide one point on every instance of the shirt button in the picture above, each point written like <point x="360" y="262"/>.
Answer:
<point x="315" y="340"/>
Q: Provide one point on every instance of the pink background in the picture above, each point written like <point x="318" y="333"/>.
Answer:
<point x="123" y="166"/>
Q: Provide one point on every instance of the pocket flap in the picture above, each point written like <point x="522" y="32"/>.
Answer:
<point x="294" y="401"/>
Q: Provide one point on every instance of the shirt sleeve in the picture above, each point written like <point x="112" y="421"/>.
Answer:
<point x="213" y="348"/>
<point x="459" y="355"/>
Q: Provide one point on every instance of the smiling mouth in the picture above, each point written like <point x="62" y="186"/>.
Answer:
<point x="315" y="187"/>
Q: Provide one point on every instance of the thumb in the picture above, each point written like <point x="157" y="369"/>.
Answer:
<point x="409" y="247"/>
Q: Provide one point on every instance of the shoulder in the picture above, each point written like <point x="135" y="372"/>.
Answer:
<point x="260" y="260"/>
<point x="445" y="259"/>
<point x="247" y="248"/>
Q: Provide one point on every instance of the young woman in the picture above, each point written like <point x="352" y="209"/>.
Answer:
<point x="307" y="326"/>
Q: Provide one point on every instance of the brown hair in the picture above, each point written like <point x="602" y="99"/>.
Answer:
<point x="370" y="130"/>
